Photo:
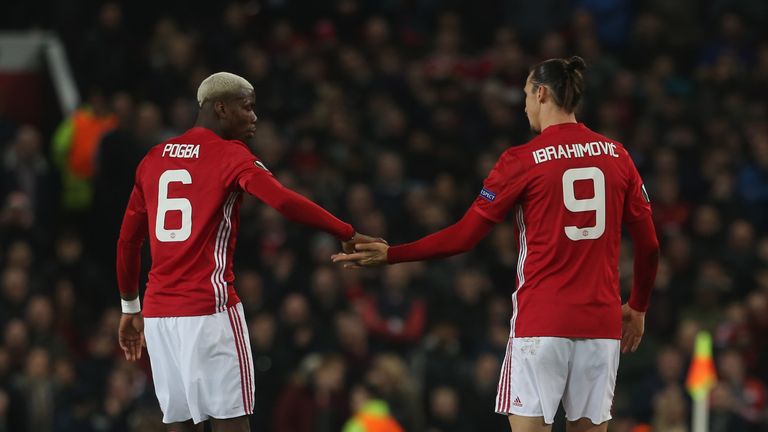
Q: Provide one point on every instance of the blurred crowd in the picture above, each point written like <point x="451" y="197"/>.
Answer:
<point x="389" y="114"/>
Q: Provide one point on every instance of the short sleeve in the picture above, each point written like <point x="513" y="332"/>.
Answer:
<point x="501" y="188"/>
<point x="637" y="204"/>
<point x="240" y="163"/>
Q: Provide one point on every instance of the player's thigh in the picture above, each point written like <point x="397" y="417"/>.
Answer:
<point x="217" y="366"/>
<point x="591" y="382"/>
<point x="528" y="424"/>
<point x="163" y="347"/>
<point x="533" y="377"/>
<point x="586" y="425"/>
<point x="238" y="424"/>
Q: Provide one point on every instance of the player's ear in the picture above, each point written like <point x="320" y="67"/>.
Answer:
<point x="220" y="108"/>
<point x="541" y="93"/>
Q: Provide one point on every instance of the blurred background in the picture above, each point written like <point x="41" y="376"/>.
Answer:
<point x="389" y="113"/>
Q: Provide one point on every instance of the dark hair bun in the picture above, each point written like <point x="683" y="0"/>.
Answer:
<point x="575" y="63"/>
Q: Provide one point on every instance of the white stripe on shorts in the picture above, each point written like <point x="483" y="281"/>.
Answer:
<point x="505" y="381"/>
<point x="246" y="385"/>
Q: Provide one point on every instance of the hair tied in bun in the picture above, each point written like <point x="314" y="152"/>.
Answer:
<point x="575" y="63"/>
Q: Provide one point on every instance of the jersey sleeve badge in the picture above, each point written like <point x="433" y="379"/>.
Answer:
<point x="488" y="195"/>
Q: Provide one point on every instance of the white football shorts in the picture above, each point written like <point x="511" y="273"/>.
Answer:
<point x="201" y="365"/>
<point x="539" y="372"/>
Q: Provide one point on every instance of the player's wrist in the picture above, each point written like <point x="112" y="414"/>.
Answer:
<point x="635" y="307"/>
<point x="348" y="235"/>
<point x="130" y="306"/>
<point x="391" y="256"/>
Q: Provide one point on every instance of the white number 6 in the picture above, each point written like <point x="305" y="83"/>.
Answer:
<point x="165" y="204"/>
<point x="595" y="204"/>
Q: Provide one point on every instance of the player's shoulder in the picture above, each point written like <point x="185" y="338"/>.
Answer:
<point x="237" y="146"/>
<point x="510" y="162"/>
<point x="518" y="156"/>
<point x="623" y="157"/>
<point x="602" y="138"/>
<point x="151" y="155"/>
<point x="157" y="149"/>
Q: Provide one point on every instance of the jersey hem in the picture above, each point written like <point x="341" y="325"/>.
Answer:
<point x="211" y="311"/>
<point x="567" y="336"/>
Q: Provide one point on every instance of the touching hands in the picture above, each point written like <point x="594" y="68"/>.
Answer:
<point x="632" y="328"/>
<point x="362" y="251"/>
<point x="349" y="245"/>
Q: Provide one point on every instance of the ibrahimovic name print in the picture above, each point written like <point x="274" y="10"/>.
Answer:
<point x="568" y="151"/>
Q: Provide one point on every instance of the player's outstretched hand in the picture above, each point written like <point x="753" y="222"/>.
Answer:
<point x="349" y="246"/>
<point x="130" y="335"/>
<point x="365" y="255"/>
<point x="632" y="328"/>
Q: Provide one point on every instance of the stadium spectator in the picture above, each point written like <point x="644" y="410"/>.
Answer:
<point x="738" y="400"/>
<point x="320" y="393"/>
<point x="26" y="170"/>
<point x="394" y="316"/>
<point x="370" y="412"/>
<point x="665" y="382"/>
<point x="445" y="411"/>
<point x="75" y="144"/>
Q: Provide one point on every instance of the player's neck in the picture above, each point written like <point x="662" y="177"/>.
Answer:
<point x="556" y="116"/>
<point x="210" y="125"/>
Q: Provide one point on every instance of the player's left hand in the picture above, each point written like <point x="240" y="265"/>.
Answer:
<point x="130" y="335"/>
<point x="632" y="328"/>
<point x="365" y="255"/>
<point x="349" y="245"/>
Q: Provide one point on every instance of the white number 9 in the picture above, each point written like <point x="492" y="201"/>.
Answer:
<point x="595" y="204"/>
<point x="165" y="204"/>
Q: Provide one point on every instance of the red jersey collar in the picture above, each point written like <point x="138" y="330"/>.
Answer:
<point x="561" y="126"/>
<point x="204" y="131"/>
<point x="211" y="135"/>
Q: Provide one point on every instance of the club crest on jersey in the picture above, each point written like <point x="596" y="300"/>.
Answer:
<point x="260" y="165"/>
<point x="645" y="194"/>
<point x="488" y="195"/>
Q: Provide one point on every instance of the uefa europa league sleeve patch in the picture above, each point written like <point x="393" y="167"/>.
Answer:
<point x="488" y="195"/>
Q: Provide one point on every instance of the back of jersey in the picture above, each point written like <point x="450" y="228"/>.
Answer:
<point x="192" y="213"/>
<point x="570" y="189"/>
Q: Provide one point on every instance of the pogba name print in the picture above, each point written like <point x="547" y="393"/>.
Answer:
<point x="186" y="151"/>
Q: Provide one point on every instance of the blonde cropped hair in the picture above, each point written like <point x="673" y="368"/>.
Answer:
<point x="220" y="84"/>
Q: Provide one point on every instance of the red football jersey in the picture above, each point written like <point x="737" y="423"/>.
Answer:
<point x="186" y="197"/>
<point x="571" y="188"/>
